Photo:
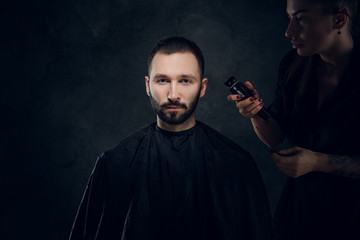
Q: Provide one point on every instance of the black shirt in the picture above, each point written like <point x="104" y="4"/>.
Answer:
<point x="319" y="205"/>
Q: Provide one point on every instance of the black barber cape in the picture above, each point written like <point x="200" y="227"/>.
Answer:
<point x="155" y="184"/>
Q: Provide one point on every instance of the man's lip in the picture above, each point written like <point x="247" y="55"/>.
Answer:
<point x="173" y="107"/>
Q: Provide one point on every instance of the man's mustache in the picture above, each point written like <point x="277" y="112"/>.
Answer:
<point x="174" y="103"/>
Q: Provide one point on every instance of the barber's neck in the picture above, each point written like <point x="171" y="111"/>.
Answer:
<point x="339" y="54"/>
<point x="187" y="124"/>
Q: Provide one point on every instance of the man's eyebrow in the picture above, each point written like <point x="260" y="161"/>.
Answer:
<point x="181" y="76"/>
<point x="300" y="11"/>
<point x="160" y="76"/>
<point x="187" y="76"/>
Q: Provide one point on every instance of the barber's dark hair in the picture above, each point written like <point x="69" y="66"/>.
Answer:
<point x="332" y="7"/>
<point x="302" y="65"/>
<point x="177" y="44"/>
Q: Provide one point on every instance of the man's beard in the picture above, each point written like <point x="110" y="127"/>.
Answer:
<point x="172" y="118"/>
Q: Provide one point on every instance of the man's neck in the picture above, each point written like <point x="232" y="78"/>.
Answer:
<point x="189" y="123"/>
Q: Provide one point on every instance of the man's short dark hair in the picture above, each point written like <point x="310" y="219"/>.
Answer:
<point x="177" y="44"/>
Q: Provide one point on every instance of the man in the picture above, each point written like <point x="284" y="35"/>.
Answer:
<point x="176" y="178"/>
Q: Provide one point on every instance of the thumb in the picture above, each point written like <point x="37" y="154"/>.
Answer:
<point x="249" y="85"/>
<point x="252" y="89"/>
<point x="289" y="151"/>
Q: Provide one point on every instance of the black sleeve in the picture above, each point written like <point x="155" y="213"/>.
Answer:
<point x="278" y="107"/>
<point x="89" y="214"/>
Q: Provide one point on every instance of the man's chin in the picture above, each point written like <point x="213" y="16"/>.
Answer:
<point x="173" y="114"/>
<point x="173" y="118"/>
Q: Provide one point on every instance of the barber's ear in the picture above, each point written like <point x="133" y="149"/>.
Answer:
<point x="341" y="18"/>
<point x="147" y="85"/>
<point x="204" y="82"/>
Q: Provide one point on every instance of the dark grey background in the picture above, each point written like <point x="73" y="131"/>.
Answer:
<point x="72" y="86"/>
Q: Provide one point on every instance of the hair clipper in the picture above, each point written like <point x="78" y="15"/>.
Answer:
<point x="240" y="89"/>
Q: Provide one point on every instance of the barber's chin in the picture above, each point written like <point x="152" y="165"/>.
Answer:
<point x="304" y="53"/>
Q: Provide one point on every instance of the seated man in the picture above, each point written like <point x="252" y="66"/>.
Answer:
<point x="176" y="178"/>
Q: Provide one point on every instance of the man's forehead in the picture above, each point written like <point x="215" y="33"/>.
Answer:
<point x="185" y="54"/>
<point x="180" y="63"/>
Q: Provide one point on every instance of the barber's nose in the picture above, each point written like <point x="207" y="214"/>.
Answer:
<point x="292" y="30"/>
<point x="174" y="94"/>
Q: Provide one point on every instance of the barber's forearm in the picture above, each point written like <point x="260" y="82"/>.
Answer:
<point x="345" y="166"/>
<point x="340" y="165"/>
<point x="268" y="131"/>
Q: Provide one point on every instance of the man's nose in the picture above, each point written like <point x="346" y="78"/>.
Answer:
<point x="174" y="94"/>
<point x="292" y="30"/>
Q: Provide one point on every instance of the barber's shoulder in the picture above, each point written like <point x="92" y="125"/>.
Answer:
<point x="285" y="65"/>
<point x="288" y="58"/>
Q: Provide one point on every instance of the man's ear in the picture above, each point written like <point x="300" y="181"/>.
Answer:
<point x="204" y="82"/>
<point x="147" y="85"/>
<point x="341" y="18"/>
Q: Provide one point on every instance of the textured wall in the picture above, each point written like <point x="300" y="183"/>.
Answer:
<point x="72" y="86"/>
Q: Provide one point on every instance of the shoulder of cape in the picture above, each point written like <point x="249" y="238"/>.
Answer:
<point x="227" y="156"/>
<point x="128" y="147"/>
<point x="221" y="142"/>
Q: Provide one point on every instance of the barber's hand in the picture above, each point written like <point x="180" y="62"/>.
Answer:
<point x="250" y="106"/>
<point x="297" y="161"/>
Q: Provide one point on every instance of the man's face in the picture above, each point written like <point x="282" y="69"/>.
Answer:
<point x="174" y="87"/>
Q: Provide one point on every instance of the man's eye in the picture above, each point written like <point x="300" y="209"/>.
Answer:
<point x="185" y="81"/>
<point x="161" y="81"/>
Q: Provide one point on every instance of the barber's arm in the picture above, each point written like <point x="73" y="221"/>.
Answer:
<point x="268" y="131"/>
<point x="297" y="161"/>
